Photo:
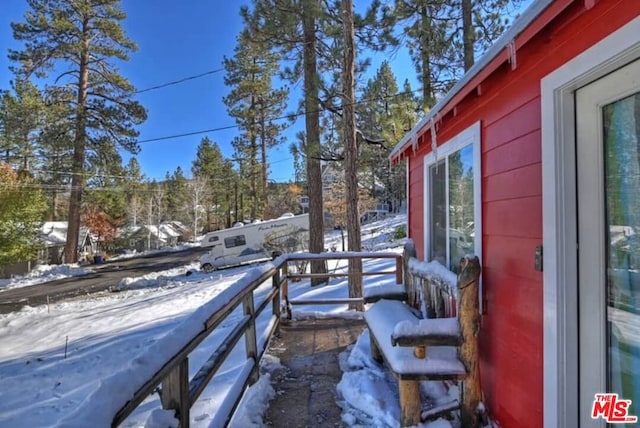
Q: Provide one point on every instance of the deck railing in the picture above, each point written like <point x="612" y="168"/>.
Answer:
<point x="179" y="393"/>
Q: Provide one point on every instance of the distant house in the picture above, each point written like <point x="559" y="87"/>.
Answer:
<point x="53" y="234"/>
<point x="532" y="161"/>
<point x="153" y="237"/>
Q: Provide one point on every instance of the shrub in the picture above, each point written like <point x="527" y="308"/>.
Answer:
<point x="400" y="232"/>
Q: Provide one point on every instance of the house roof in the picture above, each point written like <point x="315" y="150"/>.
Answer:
<point x="163" y="232"/>
<point x="54" y="233"/>
<point x="504" y="49"/>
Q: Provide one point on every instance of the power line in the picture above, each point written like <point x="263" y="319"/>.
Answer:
<point x="176" y="82"/>
<point x="287" y="116"/>
<point x="94" y="175"/>
<point x="187" y="134"/>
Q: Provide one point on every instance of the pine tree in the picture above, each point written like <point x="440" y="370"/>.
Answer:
<point x="255" y="105"/>
<point x="218" y="172"/>
<point x="21" y="118"/>
<point x="104" y="207"/>
<point x="79" y="42"/>
<point x="387" y="114"/>
<point x="444" y="37"/>
<point x="176" y="187"/>
<point x="55" y="152"/>
<point x="292" y="26"/>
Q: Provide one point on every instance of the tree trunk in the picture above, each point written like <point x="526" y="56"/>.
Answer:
<point x="77" y="180"/>
<point x="428" y="99"/>
<point x="469" y="319"/>
<point x="312" y="128"/>
<point x="254" y="178"/>
<point x="351" y="153"/>
<point x="468" y="34"/>
<point x="264" y="166"/>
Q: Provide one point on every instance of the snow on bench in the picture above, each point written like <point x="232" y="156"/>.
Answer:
<point x="392" y="321"/>
<point x="417" y="332"/>
<point x="385" y="291"/>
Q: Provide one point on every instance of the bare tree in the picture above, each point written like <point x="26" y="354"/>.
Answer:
<point x="197" y="190"/>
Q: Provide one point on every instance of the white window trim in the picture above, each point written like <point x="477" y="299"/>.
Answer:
<point x="560" y="308"/>
<point x="470" y="136"/>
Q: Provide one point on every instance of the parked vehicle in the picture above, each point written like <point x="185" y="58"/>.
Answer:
<point x="245" y="243"/>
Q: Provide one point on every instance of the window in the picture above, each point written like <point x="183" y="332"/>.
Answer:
<point x="235" y="241"/>
<point x="452" y="200"/>
<point x="213" y="239"/>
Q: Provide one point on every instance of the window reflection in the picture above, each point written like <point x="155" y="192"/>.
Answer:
<point x="622" y="180"/>
<point x="461" y="223"/>
<point x="451" y="221"/>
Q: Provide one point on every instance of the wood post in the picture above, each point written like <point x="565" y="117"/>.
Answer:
<point x="413" y="297"/>
<point x="175" y="392"/>
<point x="469" y="319"/>
<point x="399" y="270"/>
<point x="285" y="289"/>
<point x="409" y="402"/>
<point x="250" y="338"/>
<point x="375" y="350"/>
<point x="275" y="283"/>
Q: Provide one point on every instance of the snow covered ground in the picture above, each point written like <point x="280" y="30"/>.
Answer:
<point x="47" y="273"/>
<point x="53" y="360"/>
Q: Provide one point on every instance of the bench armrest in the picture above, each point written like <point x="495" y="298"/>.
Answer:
<point x="427" y="332"/>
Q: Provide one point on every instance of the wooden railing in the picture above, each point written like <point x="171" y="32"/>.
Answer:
<point x="179" y="393"/>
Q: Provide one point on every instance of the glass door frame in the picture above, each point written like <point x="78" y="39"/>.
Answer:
<point x="592" y="221"/>
<point x="560" y="292"/>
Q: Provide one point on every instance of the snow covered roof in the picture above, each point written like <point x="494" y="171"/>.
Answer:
<point x="163" y="232"/>
<point x="54" y="233"/>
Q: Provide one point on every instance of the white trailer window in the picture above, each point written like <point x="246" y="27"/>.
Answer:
<point x="235" y="241"/>
<point x="213" y="239"/>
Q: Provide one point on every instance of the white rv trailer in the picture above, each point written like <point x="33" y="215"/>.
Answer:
<point x="255" y="241"/>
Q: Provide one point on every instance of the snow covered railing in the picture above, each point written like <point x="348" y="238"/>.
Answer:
<point x="428" y="337"/>
<point x="166" y="364"/>
<point x="282" y="263"/>
<point x="164" y="367"/>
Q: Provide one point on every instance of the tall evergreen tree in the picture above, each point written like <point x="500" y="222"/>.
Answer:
<point x="293" y="27"/>
<point x="351" y="152"/>
<point x="21" y="119"/>
<point x="444" y="37"/>
<point x="427" y="37"/>
<point x="176" y="190"/>
<point x="78" y="42"/>
<point x="255" y="105"/>
<point x="309" y="34"/>
<point x="387" y="114"/>
<point x="211" y="165"/>
<point x="55" y="152"/>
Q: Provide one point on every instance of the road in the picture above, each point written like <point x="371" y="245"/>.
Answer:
<point x="104" y="276"/>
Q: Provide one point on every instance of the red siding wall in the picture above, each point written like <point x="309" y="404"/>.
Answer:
<point x="509" y="110"/>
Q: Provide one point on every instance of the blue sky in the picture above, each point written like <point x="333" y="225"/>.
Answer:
<point x="178" y="39"/>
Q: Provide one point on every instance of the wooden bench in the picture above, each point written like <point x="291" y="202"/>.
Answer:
<point x="417" y="347"/>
